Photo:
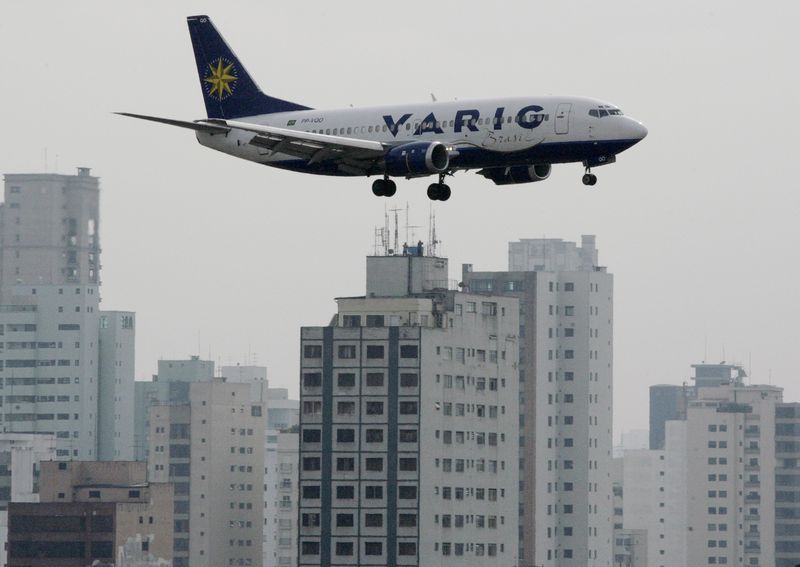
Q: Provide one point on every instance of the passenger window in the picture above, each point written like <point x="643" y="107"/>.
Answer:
<point x="370" y="129"/>
<point x="603" y="113"/>
<point x="335" y="131"/>
<point x="593" y="112"/>
<point x="383" y="128"/>
<point x="408" y="126"/>
<point x="509" y="120"/>
<point x="327" y="130"/>
<point x="349" y="130"/>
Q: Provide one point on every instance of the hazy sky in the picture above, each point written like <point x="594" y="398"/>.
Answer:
<point x="698" y="223"/>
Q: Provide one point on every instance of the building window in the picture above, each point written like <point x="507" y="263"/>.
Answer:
<point x="312" y="435"/>
<point x="374" y="408"/>
<point x="373" y="548"/>
<point x="347" y="380"/>
<point x="312" y="380"/>
<point x="347" y="351"/>
<point x="345" y="408"/>
<point x="345" y="435"/>
<point x="311" y="520"/>
<point x="408" y="435"/>
<point x="312" y="351"/>
<point x="408" y="408"/>
<point x="375" y="321"/>
<point x="344" y="521"/>
<point x="373" y="520"/>
<point x="407" y="520"/>
<point x="375" y="351"/>
<point x="408" y="464"/>
<point x="407" y="492"/>
<point x="345" y="492"/>
<point x="345" y="464"/>
<point x="94" y="494"/>
<point x="373" y="492"/>
<point x="311" y="463"/>
<point x="351" y="321"/>
<point x="375" y="379"/>
<point x="406" y="548"/>
<point x="310" y="548"/>
<point x="311" y="492"/>
<point x="409" y="380"/>
<point x="409" y="351"/>
<point x="374" y="464"/>
<point x="569" y="354"/>
<point x="374" y="435"/>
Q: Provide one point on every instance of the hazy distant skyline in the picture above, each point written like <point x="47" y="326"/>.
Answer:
<point x="698" y="223"/>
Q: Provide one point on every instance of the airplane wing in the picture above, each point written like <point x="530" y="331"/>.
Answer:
<point x="351" y="154"/>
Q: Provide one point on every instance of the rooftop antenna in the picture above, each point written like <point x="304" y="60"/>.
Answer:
<point x="433" y="243"/>
<point x="433" y="97"/>
<point x="45" y="160"/>
<point x="396" y="229"/>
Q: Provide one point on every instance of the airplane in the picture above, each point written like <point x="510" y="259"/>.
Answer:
<point x="507" y="140"/>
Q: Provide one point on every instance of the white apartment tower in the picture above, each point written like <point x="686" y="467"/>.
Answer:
<point x="565" y="404"/>
<point x="408" y="447"/>
<point x="212" y="449"/>
<point x="58" y="364"/>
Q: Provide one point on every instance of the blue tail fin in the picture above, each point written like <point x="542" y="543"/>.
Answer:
<point x="228" y="90"/>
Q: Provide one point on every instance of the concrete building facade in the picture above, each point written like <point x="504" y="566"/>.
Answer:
<point x="408" y="402"/>
<point x="212" y="449"/>
<point x="92" y="511"/>
<point x="565" y="405"/>
<point x="52" y="368"/>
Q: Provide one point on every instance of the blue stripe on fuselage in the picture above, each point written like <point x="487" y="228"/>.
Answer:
<point x="473" y="157"/>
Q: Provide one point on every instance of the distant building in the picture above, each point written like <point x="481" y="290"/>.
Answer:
<point x="408" y="446"/>
<point x="212" y="448"/>
<point x="280" y="463"/>
<point x="170" y="385"/>
<point x="723" y="489"/>
<point x="667" y="402"/>
<point x="92" y="511"/>
<point x="20" y="470"/>
<point x="58" y="364"/>
<point x="565" y="397"/>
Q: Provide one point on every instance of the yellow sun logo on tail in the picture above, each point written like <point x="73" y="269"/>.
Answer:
<point x="220" y="79"/>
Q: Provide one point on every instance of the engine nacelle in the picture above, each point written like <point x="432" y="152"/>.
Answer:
<point x="518" y="174"/>
<point x="417" y="158"/>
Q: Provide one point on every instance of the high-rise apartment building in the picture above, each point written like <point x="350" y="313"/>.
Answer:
<point x="667" y="403"/>
<point x="408" y="448"/>
<point x="170" y="385"/>
<point x="722" y="489"/>
<point x="280" y="463"/>
<point x="58" y="364"/>
<point x="212" y="449"/>
<point x="565" y="404"/>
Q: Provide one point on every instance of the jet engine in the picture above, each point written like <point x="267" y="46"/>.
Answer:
<point x="517" y="174"/>
<point x="417" y="158"/>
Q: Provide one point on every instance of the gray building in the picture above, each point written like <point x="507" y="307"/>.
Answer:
<point x="667" y="402"/>
<point x="787" y="485"/>
<point x="565" y="397"/>
<point x="408" y="451"/>
<point x="170" y="385"/>
<point x="58" y="364"/>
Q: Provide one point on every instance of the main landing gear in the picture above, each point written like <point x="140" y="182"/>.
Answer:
<point x="589" y="178"/>
<point x="439" y="191"/>
<point x="384" y="187"/>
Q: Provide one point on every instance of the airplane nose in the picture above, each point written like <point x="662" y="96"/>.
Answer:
<point x="637" y="129"/>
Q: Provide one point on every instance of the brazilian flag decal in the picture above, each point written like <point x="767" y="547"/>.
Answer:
<point x="291" y="122"/>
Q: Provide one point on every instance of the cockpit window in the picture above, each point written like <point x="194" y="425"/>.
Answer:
<point x="605" y="110"/>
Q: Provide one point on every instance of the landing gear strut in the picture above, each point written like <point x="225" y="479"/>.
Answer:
<point x="439" y="191"/>
<point x="589" y="178"/>
<point x="384" y="187"/>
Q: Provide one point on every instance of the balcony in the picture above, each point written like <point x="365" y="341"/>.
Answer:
<point x="752" y="518"/>
<point x="752" y="449"/>
<point x="752" y="499"/>
<point x="752" y="484"/>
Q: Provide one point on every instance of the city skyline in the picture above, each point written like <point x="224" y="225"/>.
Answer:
<point x="691" y="232"/>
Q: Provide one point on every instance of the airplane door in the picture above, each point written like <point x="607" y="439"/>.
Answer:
<point x="562" y="117"/>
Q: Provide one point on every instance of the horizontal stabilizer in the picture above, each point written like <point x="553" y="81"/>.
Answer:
<point x="198" y="126"/>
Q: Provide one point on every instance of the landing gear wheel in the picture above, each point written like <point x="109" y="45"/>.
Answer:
<point x="389" y="188"/>
<point x="589" y="179"/>
<point x="379" y="187"/>
<point x="444" y="192"/>
<point x="433" y="191"/>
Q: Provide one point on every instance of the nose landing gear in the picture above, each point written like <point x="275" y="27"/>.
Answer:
<point x="589" y="178"/>
<point x="384" y="187"/>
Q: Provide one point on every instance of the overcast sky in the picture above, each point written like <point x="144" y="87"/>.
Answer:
<point x="698" y="223"/>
